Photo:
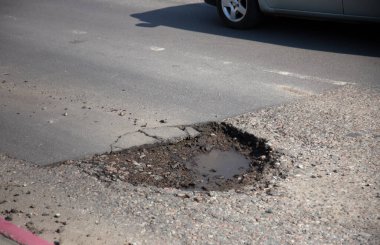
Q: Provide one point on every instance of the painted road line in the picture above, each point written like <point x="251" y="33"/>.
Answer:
<point x="20" y="235"/>
<point x="307" y="77"/>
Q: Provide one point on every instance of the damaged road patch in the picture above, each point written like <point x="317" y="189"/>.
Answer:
<point x="151" y="136"/>
<point x="202" y="158"/>
<point x="132" y="139"/>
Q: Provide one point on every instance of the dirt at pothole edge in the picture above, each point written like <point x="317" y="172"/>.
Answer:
<point x="166" y="164"/>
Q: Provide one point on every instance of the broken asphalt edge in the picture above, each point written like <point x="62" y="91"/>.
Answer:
<point x="172" y="135"/>
<point x="19" y="235"/>
<point x="150" y="136"/>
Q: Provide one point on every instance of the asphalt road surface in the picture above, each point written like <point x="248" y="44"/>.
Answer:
<point x="76" y="74"/>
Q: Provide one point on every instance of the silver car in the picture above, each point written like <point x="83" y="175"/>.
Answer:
<point x="248" y="13"/>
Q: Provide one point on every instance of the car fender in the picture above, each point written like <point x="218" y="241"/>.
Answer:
<point x="264" y="7"/>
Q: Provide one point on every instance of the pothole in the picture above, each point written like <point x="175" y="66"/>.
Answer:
<point x="217" y="166"/>
<point x="220" y="158"/>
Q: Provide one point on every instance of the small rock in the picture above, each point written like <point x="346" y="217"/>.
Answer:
<point x="198" y="199"/>
<point x="268" y="145"/>
<point x="136" y="163"/>
<point x="29" y="215"/>
<point x="56" y="243"/>
<point x="213" y="135"/>
<point x="163" y="121"/>
<point x="269" y="211"/>
<point x="208" y="147"/>
<point x="277" y="164"/>
<point x="50" y="121"/>
<point x="158" y="178"/>
<point x="59" y="230"/>
<point x="300" y="166"/>
<point x="211" y="194"/>
<point x="45" y="214"/>
<point x="65" y="114"/>
<point x="354" y="134"/>
<point x="272" y="192"/>
<point x="57" y="215"/>
<point x="183" y="195"/>
<point x="365" y="235"/>
<point x="192" y="132"/>
<point x="9" y="217"/>
<point x="122" y="113"/>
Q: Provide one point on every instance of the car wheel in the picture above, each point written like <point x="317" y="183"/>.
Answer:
<point x="240" y="14"/>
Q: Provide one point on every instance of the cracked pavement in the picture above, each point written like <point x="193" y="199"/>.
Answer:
<point x="76" y="75"/>
<point x="330" y="146"/>
<point x="149" y="136"/>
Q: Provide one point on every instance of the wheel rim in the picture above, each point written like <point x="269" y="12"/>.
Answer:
<point x="234" y="10"/>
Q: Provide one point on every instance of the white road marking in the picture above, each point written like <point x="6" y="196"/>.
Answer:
<point x="306" y="77"/>
<point x="10" y="17"/>
<point x="115" y="75"/>
<point x="295" y="91"/>
<point x="157" y="49"/>
<point x="78" y="32"/>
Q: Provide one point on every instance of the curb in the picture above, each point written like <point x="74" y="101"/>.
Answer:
<point x="19" y="235"/>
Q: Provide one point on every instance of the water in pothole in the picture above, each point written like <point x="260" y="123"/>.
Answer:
<point x="217" y="166"/>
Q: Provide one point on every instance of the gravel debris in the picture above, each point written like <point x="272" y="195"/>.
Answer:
<point x="340" y="208"/>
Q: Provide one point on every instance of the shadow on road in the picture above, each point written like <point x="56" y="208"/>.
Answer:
<point x="345" y="38"/>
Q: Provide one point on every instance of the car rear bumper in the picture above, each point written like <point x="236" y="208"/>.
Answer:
<point x="211" y="2"/>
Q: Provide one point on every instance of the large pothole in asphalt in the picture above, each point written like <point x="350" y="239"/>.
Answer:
<point x="220" y="158"/>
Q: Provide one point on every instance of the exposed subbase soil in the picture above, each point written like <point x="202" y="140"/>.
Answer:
<point x="219" y="158"/>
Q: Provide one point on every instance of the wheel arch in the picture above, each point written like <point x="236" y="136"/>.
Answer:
<point x="264" y="7"/>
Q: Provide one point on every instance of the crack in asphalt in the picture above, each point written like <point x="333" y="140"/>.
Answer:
<point x="154" y="137"/>
<point x="116" y="141"/>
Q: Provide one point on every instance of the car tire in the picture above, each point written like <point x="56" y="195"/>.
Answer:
<point x="239" y="14"/>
